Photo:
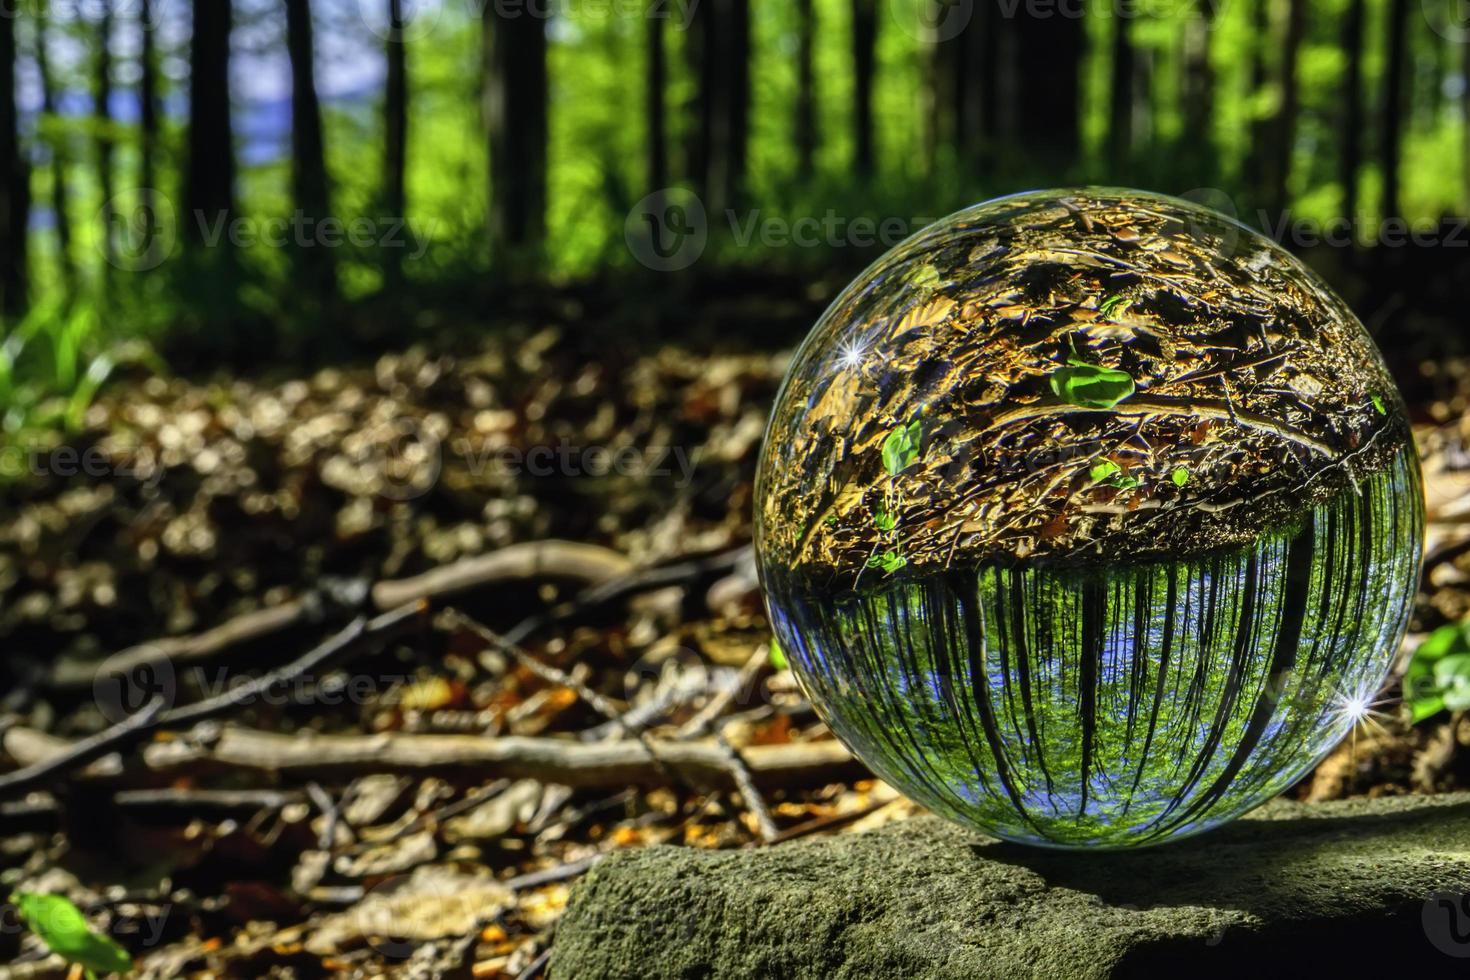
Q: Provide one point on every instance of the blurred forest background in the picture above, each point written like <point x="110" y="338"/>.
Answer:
<point x="249" y="182"/>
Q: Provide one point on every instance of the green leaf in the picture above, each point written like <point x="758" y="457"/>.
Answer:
<point x="64" y="930"/>
<point x="1180" y="476"/>
<point x="1102" y="469"/>
<point x="777" y="655"/>
<point x="1438" y="676"/>
<point x="1378" y="404"/>
<point x="884" y="521"/>
<point x="924" y="276"/>
<point x="1452" y="670"/>
<point x="1107" y="305"/>
<point x="890" y="561"/>
<point x="901" y="447"/>
<point x="1124" y="482"/>
<point x="1421" y="708"/>
<point x="1091" y="386"/>
<point x="1449" y="639"/>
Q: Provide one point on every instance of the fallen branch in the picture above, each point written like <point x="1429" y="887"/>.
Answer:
<point x="248" y="627"/>
<point x="518" y="562"/>
<point x="131" y="730"/>
<point x="643" y="580"/>
<point x="552" y="760"/>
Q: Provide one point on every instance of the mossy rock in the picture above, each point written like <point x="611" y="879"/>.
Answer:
<point x="1360" y="886"/>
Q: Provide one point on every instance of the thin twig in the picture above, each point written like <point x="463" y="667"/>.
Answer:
<point x="546" y="876"/>
<point x="537" y="965"/>
<point x="85" y="751"/>
<point x="754" y="802"/>
<point x="720" y="702"/>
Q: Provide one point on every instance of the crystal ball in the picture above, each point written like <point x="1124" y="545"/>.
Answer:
<point x="1089" y="518"/>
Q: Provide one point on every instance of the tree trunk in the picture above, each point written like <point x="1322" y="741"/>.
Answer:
<point x="864" y="63"/>
<point x="806" y="99"/>
<point x="102" y="117"/>
<point x="1284" y="137"/>
<point x="1120" y="100"/>
<point x="1254" y="165"/>
<point x="1391" y="125"/>
<point x="515" y="103"/>
<point x="1351" y="154"/>
<point x="58" y="147"/>
<point x="147" y="99"/>
<point x="1199" y="152"/>
<point x="739" y="138"/>
<point x="718" y="50"/>
<point x="395" y="137"/>
<point x="1048" y="53"/>
<point x="14" y="184"/>
<point x="656" y="80"/>
<point x="209" y="180"/>
<point x="315" y="266"/>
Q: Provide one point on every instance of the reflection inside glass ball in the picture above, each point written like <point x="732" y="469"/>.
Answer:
<point x="1089" y="518"/>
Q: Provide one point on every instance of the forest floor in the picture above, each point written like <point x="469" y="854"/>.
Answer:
<point x="514" y="626"/>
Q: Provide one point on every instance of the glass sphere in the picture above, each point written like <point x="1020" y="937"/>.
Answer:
<point x="1089" y="518"/>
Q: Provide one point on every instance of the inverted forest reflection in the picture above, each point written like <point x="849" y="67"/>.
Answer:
<point x="1114" y="705"/>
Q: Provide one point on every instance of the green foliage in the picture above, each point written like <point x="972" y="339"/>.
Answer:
<point x="1438" y="677"/>
<point x="64" y="930"/>
<point x="1107" y="306"/>
<point x="1378" y="405"/>
<point x="1180" y="476"/>
<point x="889" y="561"/>
<point x="1090" y="386"/>
<point x="884" y="520"/>
<point x="777" y="656"/>
<point x="1109" y="472"/>
<point x="901" y="448"/>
